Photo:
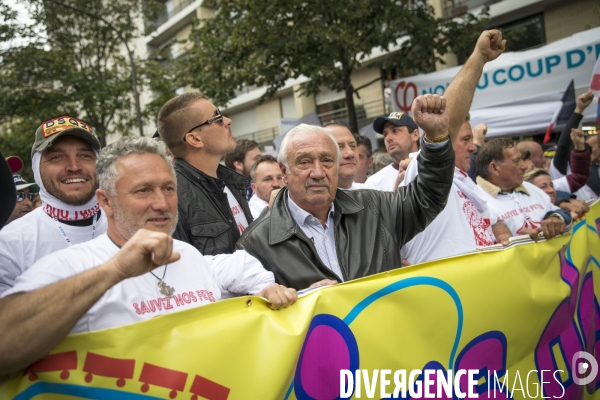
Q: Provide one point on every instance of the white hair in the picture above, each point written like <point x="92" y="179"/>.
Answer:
<point x="303" y="129"/>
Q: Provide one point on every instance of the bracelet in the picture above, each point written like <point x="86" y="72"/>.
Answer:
<point x="439" y="139"/>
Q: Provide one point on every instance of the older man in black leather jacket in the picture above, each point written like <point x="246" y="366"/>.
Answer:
<point x="314" y="232"/>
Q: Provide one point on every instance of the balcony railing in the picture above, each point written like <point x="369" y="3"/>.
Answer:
<point x="167" y="13"/>
<point x="263" y="137"/>
<point x="454" y="8"/>
<point x="364" y="112"/>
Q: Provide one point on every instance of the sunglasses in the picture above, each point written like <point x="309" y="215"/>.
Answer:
<point x="31" y="196"/>
<point x="216" y="118"/>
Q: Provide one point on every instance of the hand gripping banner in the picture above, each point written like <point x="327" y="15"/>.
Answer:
<point x="523" y="321"/>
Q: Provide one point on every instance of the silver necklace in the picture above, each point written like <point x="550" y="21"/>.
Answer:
<point x="164" y="289"/>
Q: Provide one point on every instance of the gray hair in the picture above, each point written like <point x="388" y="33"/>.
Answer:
<point x="106" y="168"/>
<point x="303" y="129"/>
<point x="380" y="161"/>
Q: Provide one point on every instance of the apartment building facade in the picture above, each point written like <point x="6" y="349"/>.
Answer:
<point x="533" y="22"/>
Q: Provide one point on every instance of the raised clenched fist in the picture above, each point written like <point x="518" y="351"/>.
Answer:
<point x="479" y="133"/>
<point x="431" y="115"/>
<point x="143" y="252"/>
<point x="583" y="101"/>
<point x="490" y="45"/>
<point x="578" y="139"/>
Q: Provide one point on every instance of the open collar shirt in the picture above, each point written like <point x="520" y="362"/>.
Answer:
<point x="322" y="237"/>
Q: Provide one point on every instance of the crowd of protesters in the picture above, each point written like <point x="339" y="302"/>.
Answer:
<point x="144" y="221"/>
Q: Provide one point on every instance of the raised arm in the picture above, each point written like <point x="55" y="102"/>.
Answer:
<point x="66" y="301"/>
<point x="580" y="162"/>
<point x="459" y="94"/>
<point x="563" y="148"/>
<point x="418" y="203"/>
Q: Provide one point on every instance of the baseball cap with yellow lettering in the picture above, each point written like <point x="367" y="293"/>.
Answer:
<point x="52" y="129"/>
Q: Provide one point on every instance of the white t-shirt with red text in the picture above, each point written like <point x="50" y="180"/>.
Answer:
<point x="458" y="229"/>
<point x="197" y="280"/>
<point x="35" y="235"/>
<point x="237" y="211"/>
<point x="519" y="210"/>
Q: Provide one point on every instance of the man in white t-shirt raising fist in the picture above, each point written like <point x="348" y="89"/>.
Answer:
<point x="133" y="273"/>
<point x="466" y="223"/>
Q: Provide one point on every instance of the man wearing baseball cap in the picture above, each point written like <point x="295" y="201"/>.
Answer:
<point x="26" y="196"/>
<point x="63" y="163"/>
<point x="401" y="137"/>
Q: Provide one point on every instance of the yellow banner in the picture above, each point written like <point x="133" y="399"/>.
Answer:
<point x="518" y="317"/>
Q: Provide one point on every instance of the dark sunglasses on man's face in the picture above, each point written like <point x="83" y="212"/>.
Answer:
<point x="216" y="118"/>
<point x="31" y="196"/>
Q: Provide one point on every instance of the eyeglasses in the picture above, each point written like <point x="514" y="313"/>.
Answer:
<point x="31" y="196"/>
<point x="216" y="118"/>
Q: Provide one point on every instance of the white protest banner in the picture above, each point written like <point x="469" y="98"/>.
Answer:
<point x="515" y="76"/>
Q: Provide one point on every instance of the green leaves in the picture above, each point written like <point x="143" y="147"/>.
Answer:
<point x="70" y="64"/>
<point x="264" y="43"/>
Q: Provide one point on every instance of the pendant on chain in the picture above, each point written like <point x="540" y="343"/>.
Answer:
<point x="165" y="289"/>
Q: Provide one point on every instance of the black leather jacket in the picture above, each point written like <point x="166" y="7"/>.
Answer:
<point x="370" y="226"/>
<point x="205" y="218"/>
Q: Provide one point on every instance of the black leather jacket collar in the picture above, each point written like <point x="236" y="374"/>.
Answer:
<point x="283" y="225"/>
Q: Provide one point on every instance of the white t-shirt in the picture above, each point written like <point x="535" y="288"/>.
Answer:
<point x="237" y="211"/>
<point x="562" y="184"/>
<point x="356" y="186"/>
<point x="197" y="280"/>
<point x="459" y="228"/>
<point x="257" y="205"/>
<point x="383" y="180"/>
<point x="25" y="240"/>
<point x="519" y="210"/>
<point x="585" y="193"/>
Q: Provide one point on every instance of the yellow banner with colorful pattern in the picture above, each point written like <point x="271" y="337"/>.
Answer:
<point x="512" y="313"/>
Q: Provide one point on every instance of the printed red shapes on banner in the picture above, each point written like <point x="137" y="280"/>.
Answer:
<point x="95" y="364"/>
<point x="54" y="362"/>
<point x="208" y="389"/>
<point x="163" y="377"/>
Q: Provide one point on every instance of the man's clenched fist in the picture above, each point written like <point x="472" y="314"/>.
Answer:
<point x="430" y="114"/>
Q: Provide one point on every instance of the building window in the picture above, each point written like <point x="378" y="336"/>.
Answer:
<point x="524" y="33"/>
<point x="332" y="112"/>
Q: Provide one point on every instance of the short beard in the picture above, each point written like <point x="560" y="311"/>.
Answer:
<point x="78" y="199"/>
<point x="127" y="225"/>
<point x="399" y="155"/>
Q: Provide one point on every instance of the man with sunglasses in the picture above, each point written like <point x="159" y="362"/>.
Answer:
<point x="27" y="194"/>
<point x="213" y="210"/>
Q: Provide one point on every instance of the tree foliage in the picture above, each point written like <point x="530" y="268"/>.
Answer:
<point x="69" y="63"/>
<point x="265" y="43"/>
